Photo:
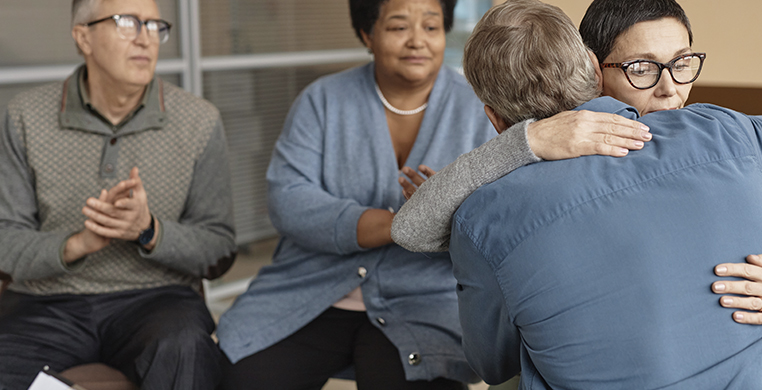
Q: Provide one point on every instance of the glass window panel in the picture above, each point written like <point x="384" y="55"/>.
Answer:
<point x="266" y="26"/>
<point x="38" y="32"/>
<point x="254" y="105"/>
<point x="176" y="79"/>
<point x="467" y="14"/>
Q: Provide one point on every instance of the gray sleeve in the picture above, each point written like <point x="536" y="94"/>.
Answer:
<point x="27" y="253"/>
<point x="204" y="233"/>
<point x="423" y="222"/>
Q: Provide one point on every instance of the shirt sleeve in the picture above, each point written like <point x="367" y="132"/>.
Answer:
<point x="491" y="341"/>
<point x="204" y="232"/>
<point x="300" y="206"/>
<point x="756" y="122"/>
<point x="27" y="253"/>
<point x="423" y="223"/>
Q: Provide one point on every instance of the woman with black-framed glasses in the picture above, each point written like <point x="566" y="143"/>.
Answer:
<point x="637" y="42"/>
<point x="633" y="70"/>
<point x="645" y="74"/>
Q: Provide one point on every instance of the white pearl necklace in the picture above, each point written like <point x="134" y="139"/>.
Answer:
<point x="397" y="110"/>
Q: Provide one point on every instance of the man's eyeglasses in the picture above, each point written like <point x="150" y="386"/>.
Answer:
<point x="644" y="74"/>
<point x="128" y="27"/>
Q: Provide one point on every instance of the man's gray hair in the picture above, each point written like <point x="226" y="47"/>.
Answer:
<point x="525" y="59"/>
<point x="82" y="11"/>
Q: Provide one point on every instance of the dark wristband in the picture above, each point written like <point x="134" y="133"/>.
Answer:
<point x="146" y="235"/>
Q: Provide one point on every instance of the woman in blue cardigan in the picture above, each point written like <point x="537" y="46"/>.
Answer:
<point x="339" y="292"/>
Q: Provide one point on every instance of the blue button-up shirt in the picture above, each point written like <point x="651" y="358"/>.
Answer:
<point x="595" y="273"/>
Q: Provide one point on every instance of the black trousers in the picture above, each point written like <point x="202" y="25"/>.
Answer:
<point x="159" y="338"/>
<point x="333" y="341"/>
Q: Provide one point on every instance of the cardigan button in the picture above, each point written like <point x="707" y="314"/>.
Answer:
<point x="381" y="321"/>
<point x="414" y="358"/>
<point x="361" y="272"/>
<point x="108" y="168"/>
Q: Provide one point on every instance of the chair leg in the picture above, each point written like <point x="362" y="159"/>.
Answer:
<point x="98" y="376"/>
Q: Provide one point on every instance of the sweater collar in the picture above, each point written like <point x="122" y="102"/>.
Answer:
<point x="77" y="113"/>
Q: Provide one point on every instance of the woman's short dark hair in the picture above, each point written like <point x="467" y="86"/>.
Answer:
<point x="606" y="20"/>
<point x="364" y="14"/>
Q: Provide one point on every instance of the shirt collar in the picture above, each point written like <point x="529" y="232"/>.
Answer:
<point x="611" y="105"/>
<point x="78" y="113"/>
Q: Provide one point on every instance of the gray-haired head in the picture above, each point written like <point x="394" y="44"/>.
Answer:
<point x="82" y="11"/>
<point x="525" y="59"/>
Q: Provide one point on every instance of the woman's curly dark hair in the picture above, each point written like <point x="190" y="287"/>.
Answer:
<point x="364" y="14"/>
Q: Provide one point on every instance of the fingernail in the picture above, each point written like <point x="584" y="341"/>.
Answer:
<point x="719" y="287"/>
<point x="638" y="144"/>
<point x="722" y="270"/>
<point x="623" y="151"/>
<point x="644" y="127"/>
<point x="738" y="316"/>
<point x="727" y="301"/>
<point x="646" y="136"/>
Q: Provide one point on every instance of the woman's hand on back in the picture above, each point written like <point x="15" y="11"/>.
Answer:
<point x="748" y="292"/>
<point x="573" y="134"/>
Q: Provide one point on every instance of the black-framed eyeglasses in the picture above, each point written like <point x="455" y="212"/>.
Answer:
<point x="128" y="27"/>
<point x="645" y="74"/>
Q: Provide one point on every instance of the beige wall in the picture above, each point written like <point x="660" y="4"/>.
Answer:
<point x="729" y="31"/>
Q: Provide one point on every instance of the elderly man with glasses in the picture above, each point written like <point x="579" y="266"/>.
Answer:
<point x="115" y="202"/>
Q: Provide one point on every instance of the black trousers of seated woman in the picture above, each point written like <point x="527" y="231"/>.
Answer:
<point x="309" y="357"/>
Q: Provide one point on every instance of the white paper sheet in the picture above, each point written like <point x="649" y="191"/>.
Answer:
<point x="44" y="381"/>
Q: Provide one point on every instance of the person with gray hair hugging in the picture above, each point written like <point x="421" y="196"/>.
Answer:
<point x="592" y="273"/>
<point x="637" y="42"/>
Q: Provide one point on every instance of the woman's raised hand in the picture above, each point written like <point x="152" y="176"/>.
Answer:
<point x="750" y="290"/>
<point x="579" y="133"/>
<point x="414" y="179"/>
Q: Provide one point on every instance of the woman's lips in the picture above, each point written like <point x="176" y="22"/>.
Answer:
<point x="415" y="59"/>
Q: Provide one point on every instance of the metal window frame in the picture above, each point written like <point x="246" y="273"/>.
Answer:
<point x="191" y="64"/>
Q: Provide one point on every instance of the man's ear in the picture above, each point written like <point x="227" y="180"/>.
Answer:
<point x="597" y="68"/>
<point x="81" y="35"/>
<point x="497" y="121"/>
